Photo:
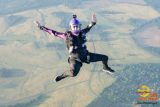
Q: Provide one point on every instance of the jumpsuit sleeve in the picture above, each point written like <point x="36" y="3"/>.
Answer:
<point x="53" y="32"/>
<point x="87" y="29"/>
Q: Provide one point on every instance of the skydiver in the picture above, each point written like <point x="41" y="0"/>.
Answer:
<point x="75" y="40"/>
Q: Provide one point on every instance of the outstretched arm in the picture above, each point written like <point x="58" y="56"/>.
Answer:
<point x="93" y="22"/>
<point x="51" y="31"/>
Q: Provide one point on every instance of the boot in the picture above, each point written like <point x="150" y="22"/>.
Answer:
<point x="60" y="77"/>
<point x="108" y="70"/>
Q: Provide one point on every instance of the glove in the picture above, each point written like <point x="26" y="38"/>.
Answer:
<point x="94" y="19"/>
<point x="39" y="25"/>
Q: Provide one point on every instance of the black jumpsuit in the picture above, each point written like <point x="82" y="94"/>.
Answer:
<point x="78" y="53"/>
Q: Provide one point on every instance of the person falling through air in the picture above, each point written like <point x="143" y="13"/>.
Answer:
<point x="75" y="40"/>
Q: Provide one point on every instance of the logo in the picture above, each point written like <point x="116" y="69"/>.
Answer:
<point x="147" y="95"/>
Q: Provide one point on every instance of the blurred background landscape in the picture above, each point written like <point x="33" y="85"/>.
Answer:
<point x="127" y="31"/>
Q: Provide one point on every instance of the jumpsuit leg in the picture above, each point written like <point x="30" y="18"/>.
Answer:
<point x="94" y="57"/>
<point x="74" y="70"/>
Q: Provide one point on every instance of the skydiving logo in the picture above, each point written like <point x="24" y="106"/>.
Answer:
<point x="146" y="95"/>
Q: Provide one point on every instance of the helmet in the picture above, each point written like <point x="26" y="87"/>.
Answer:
<point x="75" y="25"/>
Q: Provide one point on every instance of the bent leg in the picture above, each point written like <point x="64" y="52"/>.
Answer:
<point x="74" y="70"/>
<point x="94" y="57"/>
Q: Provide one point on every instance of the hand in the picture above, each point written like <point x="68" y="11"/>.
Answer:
<point x="94" y="19"/>
<point x="38" y="24"/>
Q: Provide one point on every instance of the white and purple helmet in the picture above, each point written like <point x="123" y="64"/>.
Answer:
<point x="75" y="25"/>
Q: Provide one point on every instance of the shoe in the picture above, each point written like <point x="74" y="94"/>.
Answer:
<point x="108" y="70"/>
<point x="58" y="78"/>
